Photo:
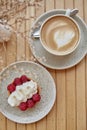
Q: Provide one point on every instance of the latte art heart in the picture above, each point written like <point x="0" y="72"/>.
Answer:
<point x="63" y="37"/>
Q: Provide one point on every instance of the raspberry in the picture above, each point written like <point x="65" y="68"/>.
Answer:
<point x="36" y="97"/>
<point x="17" y="81"/>
<point x="24" y="78"/>
<point x="11" y="88"/>
<point x="30" y="103"/>
<point x="23" y="106"/>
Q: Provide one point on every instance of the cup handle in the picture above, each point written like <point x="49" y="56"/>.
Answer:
<point x="72" y="12"/>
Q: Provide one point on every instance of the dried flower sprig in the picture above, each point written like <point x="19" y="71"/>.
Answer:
<point x="14" y="9"/>
<point x="10" y="9"/>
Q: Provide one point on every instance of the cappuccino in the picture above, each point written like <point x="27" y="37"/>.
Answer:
<point x="59" y="35"/>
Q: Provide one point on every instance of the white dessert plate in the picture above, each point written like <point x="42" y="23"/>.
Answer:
<point x="59" y="62"/>
<point x="44" y="80"/>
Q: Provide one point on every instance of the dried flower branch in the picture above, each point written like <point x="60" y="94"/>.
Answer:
<point x="14" y="9"/>
<point x="10" y="9"/>
<point x="13" y="12"/>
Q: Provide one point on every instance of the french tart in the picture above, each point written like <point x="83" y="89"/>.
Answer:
<point x="23" y="93"/>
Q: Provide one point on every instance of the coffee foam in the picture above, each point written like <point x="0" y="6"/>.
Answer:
<point x="60" y="34"/>
<point x="63" y="36"/>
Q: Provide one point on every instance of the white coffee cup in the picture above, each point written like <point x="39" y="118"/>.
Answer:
<point x="60" y="34"/>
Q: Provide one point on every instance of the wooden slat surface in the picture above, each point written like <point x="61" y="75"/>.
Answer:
<point x="70" y="109"/>
<point x="70" y="90"/>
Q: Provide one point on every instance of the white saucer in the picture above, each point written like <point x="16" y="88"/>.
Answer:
<point x="43" y="79"/>
<point x="59" y="62"/>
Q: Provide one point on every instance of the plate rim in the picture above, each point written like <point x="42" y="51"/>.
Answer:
<point x="52" y="104"/>
<point x="43" y="63"/>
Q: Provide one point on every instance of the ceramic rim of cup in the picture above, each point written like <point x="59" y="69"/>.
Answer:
<point x="53" y="51"/>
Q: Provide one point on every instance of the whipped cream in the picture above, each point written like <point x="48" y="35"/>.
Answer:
<point x="64" y="36"/>
<point x="22" y="93"/>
